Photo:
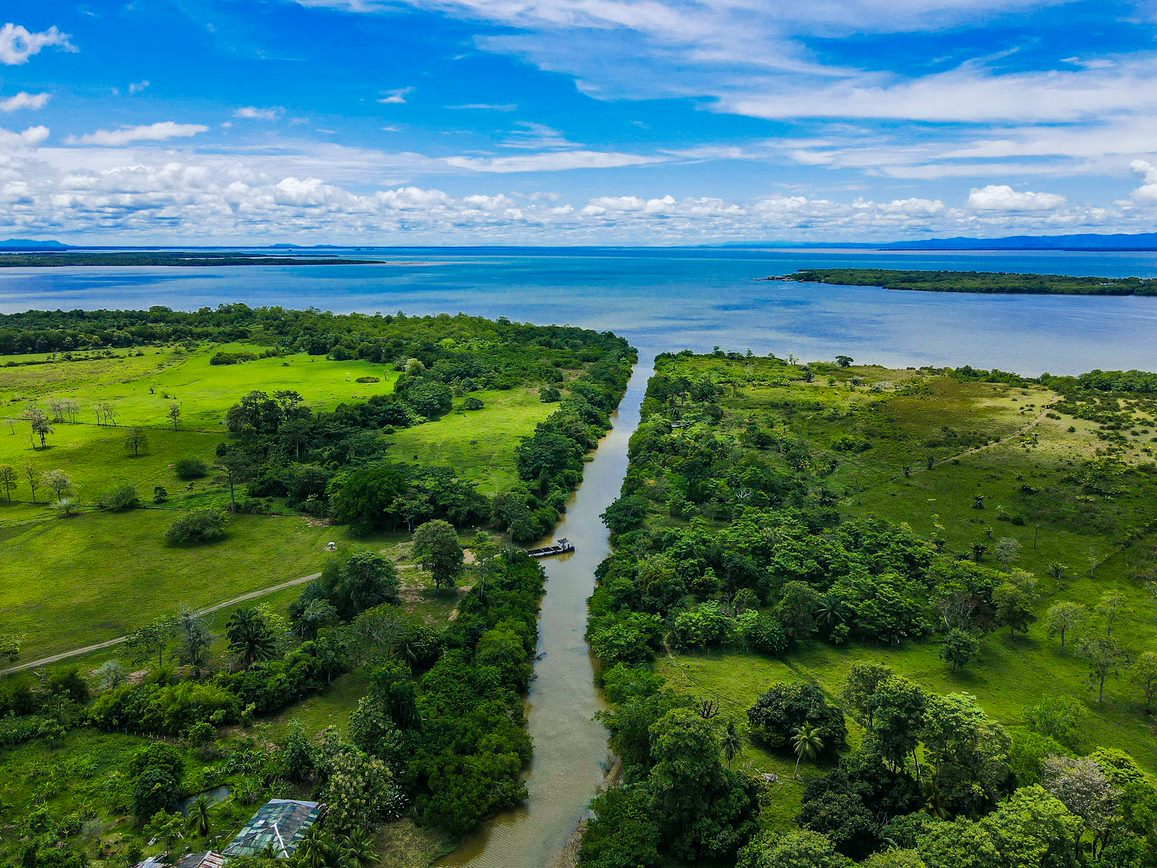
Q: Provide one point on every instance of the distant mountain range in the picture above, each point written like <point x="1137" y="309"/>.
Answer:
<point x="1085" y="241"/>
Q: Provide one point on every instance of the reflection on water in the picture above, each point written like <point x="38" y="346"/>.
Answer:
<point x="570" y="747"/>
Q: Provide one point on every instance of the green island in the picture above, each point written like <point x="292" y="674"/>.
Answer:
<point x="168" y="258"/>
<point x="294" y="538"/>
<point x="856" y="615"/>
<point x="976" y="281"/>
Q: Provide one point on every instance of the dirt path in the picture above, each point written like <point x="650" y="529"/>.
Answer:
<point x="100" y="646"/>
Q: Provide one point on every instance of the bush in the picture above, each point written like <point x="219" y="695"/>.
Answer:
<point x="549" y="395"/>
<point x="764" y="634"/>
<point x="368" y="380"/>
<point x="201" y="525"/>
<point x="120" y="499"/>
<point x="472" y="403"/>
<point x="191" y="468"/>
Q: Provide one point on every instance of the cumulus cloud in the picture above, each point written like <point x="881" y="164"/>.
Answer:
<point x="1147" y="192"/>
<point x="158" y="132"/>
<point x="18" y="43"/>
<point x="24" y="100"/>
<point x="29" y="138"/>
<point x="1001" y="197"/>
<point x="253" y="113"/>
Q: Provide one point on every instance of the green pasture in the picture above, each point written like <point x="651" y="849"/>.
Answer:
<point x="479" y="444"/>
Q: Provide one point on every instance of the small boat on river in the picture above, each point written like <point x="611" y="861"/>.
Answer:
<point x="562" y="547"/>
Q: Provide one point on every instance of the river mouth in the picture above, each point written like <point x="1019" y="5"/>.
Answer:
<point x="571" y="758"/>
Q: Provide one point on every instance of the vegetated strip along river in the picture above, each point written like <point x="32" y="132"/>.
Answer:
<point x="570" y="746"/>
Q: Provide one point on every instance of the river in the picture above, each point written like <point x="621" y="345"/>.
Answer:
<point x="570" y="746"/>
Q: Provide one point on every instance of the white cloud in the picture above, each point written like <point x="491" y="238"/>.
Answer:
<point x="396" y="97"/>
<point x="485" y="107"/>
<point x="158" y="132"/>
<point x="31" y="138"/>
<point x="253" y="113"/>
<point x="18" y="43"/>
<point x="555" y="161"/>
<point x="24" y="100"/>
<point x="1147" y="192"/>
<point x="136" y="87"/>
<point x="1001" y="197"/>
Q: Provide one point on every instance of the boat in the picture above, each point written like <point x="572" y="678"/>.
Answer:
<point x="562" y="547"/>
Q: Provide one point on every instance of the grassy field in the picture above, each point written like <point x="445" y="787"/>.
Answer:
<point x="479" y="444"/>
<point x="967" y="463"/>
<point x="95" y="576"/>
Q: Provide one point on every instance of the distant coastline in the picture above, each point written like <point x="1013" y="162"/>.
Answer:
<point x="175" y="259"/>
<point x="998" y="283"/>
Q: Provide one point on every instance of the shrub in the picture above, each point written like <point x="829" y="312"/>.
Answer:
<point x="191" y="468"/>
<point x="549" y="395"/>
<point x="472" y="403"/>
<point x="702" y="626"/>
<point x="201" y="525"/>
<point x="369" y="379"/>
<point x="764" y="633"/>
<point x="121" y="498"/>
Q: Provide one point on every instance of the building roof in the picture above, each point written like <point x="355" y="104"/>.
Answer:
<point x="280" y="824"/>
<point x="201" y="860"/>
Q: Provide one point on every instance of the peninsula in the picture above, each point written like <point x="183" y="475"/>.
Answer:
<point x="976" y="281"/>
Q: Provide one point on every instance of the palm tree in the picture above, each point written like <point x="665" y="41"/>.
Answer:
<point x="732" y="743"/>
<point x="807" y="742"/>
<point x="199" y="820"/>
<point x="249" y="637"/>
<point x="314" y="851"/>
<point x="357" y="850"/>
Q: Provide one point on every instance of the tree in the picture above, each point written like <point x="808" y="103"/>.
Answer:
<point x="806" y="742"/>
<point x="796" y="849"/>
<point x="1064" y="617"/>
<point x="1085" y="789"/>
<point x="437" y="549"/>
<point x="1033" y="829"/>
<point x="9" y="479"/>
<point x="250" y="637"/>
<point x="732" y="742"/>
<point x="1013" y="600"/>
<point x="137" y="442"/>
<point x="199" y="820"/>
<point x="844" y="361"/>
<point x="798" y="604"/>
<point x="174" y="415"/>
<point x="196" y="639"/>
<point x="1007" y="550"/>
<point x="234" y="467"/>
<point x="960" y="647"/>
<point x="58" y="482"/>
<point x="1104" y="657"/>
<point x="1144" y="675"/>
<point x="1059" y="717"/>
<point x="357" y="848"/>
<point x="899" y="706"/>
<point x="860" y="687"/>
<point x="34" y="479"/>
<point x="153" y="638"/>
<point x="779" y="712"/>
<point x="1111" y="608"/>
<point x="968" y="753"/>
<point x="359" y="792"/>
<point x="41" y="425"/>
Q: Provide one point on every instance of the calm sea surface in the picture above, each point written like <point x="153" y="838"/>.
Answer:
<point x="675" y="299"/>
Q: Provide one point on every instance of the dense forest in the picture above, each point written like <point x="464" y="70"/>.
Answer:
<point x="977" y="281"/>
<point x="775" y="518"/>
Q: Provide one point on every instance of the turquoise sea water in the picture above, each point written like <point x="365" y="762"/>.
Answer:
<point x="674" y="299"/>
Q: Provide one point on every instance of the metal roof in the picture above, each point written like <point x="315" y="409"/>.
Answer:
<point x="279" y="825"/>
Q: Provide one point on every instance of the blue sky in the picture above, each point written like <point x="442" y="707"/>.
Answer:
<point x="575" y="121"/>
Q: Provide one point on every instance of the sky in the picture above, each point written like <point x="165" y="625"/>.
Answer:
<point x="575" y="121"/>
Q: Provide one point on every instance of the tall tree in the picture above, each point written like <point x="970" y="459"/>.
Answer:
<point x="58" y="482"/>
<point x="437" y="549"/>
<point x="1064" y="617"/>
<point x="235" y="468"/>
<point x="250" y="637"/>
<point x="806" y="742"/>
<point x="137" y="441"/>
<point x="41" y="424"/>
<point x="196" y="639"/>
<point x="174" y="414"/>
<point x="1104" y="657"/>
<point x="9" y="478"/>
<point x="34" y="479"/>
<point x="1144" y="675"/>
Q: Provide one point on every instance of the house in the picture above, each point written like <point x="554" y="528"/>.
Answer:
<point x="276" y="828"/>
<point x="201" y="860"/>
